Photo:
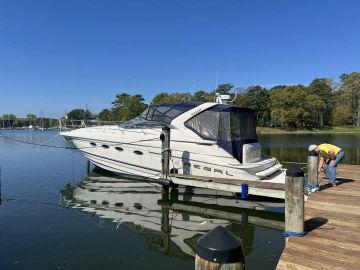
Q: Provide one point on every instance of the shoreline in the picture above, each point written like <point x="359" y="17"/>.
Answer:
<point x="329" y="130"/>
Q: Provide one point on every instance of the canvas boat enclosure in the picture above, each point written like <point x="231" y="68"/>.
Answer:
<point x="234" y="129"/>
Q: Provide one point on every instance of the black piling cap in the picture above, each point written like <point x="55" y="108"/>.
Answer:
<point x="295" y="172"/>
<point x="313" y="154"/>
<point x="220" y="246"/>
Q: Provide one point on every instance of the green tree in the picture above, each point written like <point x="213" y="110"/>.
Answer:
<point x="316" y="107"/>
<point x="173" y="97"/>
<point x="322" y="87"/>
<point x="350" y="87"/>
<point x="224" y="89"/>
<point x="32" y="119"/>
<point x="9" y="117"/>
<point x="202" y="96"/>
<point x="287" y="106"/>
<point x="105" y="115"/>
<point x="31" y="116"/>
<point x="256" y="98"/>
<point x="342" y="115"/>
<point x="80" y="114"/>
<point x="8" y="120"/>
<point x="278" y="117"/>
<point x="126" y="107"/>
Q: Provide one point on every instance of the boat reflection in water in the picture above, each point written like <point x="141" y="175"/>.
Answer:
<point x="171" y="223"/>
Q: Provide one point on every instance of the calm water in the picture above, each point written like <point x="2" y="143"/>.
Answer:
<point x="293" y="147"/>
<point x="114" y="223"/>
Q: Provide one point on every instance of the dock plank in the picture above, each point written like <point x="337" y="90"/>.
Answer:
<point x="336" y="243"/>
<point x="257" y="188"/>
<point x="256" y="184"/>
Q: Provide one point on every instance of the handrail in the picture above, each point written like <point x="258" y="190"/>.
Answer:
<point x="71" y="124"/>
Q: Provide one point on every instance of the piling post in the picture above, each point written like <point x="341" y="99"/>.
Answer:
<point x="313" y="162"/>
<point x="0" y="194"/>
<point x="87" y="170"/>
<point x="294" y="202"/>
<point x="165" y="224"/>
<point x="165" y="156"/>
<point x="165" y="151"/>
<point x="219" y="249"/>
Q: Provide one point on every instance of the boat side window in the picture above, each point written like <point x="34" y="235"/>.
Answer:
<point x="119" y="148"/>
<point x="105" y="146"/>
<point x="92" y="143"/>
<point x="243" y="126"/>
<point x="205" y="124"/>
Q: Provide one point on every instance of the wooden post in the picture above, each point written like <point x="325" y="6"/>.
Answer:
<point x="87" y="170"/>
<point x="313" y="162"/>
<point x="294" y="202"/>
<point x="165" y="151"/>
<point x="165" y="224"/>
<point x="174" y="194"/>
<point x="0" y="186"/>
<point x="219" y="249"/>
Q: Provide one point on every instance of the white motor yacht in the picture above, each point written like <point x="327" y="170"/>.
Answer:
<point x="207" y="139"/>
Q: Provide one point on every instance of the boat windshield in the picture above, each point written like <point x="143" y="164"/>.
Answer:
<point x="159" y="115"/>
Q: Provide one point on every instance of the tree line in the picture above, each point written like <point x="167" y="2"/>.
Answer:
<point x="321" y="103"/>
<point x="11" y="121"/>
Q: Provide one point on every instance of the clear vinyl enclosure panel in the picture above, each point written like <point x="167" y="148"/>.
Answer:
<point x="230" y="126"/>
<point x="160" y="114"/>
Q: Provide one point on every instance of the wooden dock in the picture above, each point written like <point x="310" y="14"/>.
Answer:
<point x="332" y="223"/>
<point x="258" y="188"/>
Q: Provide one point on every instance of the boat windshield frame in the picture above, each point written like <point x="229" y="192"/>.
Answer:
<point x="159" y="115"/>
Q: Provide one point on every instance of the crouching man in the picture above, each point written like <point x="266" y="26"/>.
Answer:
<point x="332" y="155"/>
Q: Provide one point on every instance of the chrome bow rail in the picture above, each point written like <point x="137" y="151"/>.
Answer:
<point x="71" y="124"/>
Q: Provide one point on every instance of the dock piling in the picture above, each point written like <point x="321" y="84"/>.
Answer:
<point x="219" y="249"/>
<point x="313" y="162"/>
<point x="165" y="224"/>
<point x="87" y="169"/>
<point x="165" y="151"/>
<point x="294" y="202"/>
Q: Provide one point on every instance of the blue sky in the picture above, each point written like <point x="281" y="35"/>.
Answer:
<point x="59" y="55"/>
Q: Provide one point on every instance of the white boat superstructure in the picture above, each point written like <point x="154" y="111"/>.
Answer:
<point x="207" y="139"/>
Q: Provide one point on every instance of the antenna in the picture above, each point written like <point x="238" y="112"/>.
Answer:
<point x="216" y="85"/>
<point x="217" y="78"/>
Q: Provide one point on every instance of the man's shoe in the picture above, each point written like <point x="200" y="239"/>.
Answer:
<point x="334" y="184"/>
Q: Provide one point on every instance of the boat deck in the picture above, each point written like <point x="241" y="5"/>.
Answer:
<point x="332" y="222"/>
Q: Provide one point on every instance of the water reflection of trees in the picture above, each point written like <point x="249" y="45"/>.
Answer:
<point x="293" y="147"/>
<point x="300" y="155"/>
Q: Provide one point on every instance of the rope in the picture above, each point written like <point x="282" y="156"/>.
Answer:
<point x="291" y="162"/>
<point x="69" y="147"/>
<point x="36" y="144"/>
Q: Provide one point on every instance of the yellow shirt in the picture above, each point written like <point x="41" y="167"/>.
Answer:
<point x="326" y="147"/>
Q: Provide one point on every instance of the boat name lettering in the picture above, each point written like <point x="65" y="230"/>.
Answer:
<point x="196" y="166"/>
